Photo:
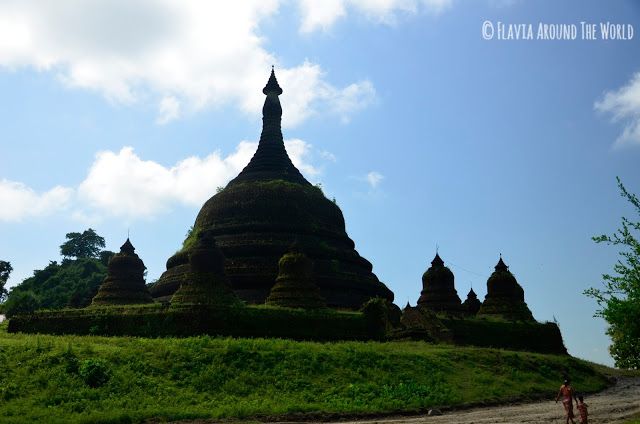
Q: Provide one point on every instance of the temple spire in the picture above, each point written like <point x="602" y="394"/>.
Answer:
<point x="437" y="261"/>
<point x="271" y="162"/>
<point x="501" y="266"/>
<point x="272" y="86"/>
<point x="127" y="247"/>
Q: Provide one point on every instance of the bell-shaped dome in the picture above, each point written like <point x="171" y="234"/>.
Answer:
<point x="438" y="290"/>
<point x="124" y="283"/>
<point x="505" y="297"/>
<point x="262" y="212"/>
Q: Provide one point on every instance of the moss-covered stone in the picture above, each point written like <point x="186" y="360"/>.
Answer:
<point x="124" y="283"/>
<point x="205" y="283"/>
<point x="294" y="286"/>
<point x="505" y="297"/>
<point x="422" y="324"/>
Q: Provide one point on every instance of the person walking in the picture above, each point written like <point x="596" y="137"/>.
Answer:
<point x="567" y="394"/>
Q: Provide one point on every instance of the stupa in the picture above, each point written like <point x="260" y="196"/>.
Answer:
<point x="124" y="283"/>
<point x="505" y="297"/>
<point x="472" y="304"/>
<point x="438" y="290"/>
<point x="205" y="283"/>
<point x="262" y="212"/>
<point x="294" y="286"/>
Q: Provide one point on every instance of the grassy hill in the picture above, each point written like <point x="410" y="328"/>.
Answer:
<point x="122" y="379"/>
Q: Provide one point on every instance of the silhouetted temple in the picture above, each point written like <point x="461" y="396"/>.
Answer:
<point x="261" y="212"/>
<point x="472" y="304"/>
<point x="124" y="283"/>
<point x="505" y="297"/>
<point x="438" y="290"/>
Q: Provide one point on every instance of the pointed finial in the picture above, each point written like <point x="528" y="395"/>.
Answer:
<point x="501" y="266"/>
<point x="272" y="86"/>
<point x="437" y="261"/>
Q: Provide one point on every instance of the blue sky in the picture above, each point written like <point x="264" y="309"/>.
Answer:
<point x="126" y="116"/>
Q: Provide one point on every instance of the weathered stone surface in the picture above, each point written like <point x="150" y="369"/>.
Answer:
<point x="294" y="286"/>
<point x="423" y="324"/>
<point x="505" y="297"/>
<point x="438" y="290"/>
<point x="262" y="212"/>
<point x="205" y="283"/>
<point x="472" y="304"/>
<point x="124" y="283"/>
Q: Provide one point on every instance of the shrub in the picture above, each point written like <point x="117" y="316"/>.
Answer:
<point x="94" y="372"/>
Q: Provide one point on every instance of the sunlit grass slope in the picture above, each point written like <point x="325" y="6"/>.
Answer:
<point x="50" y="378"/>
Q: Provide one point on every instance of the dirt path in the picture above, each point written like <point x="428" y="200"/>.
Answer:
<point x="614" y="405"/>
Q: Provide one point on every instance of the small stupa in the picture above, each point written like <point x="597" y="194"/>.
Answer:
<point x="438" y="290"/>
<point x="505" y="297"/>
<point x="294" y="286"/>
<point x="262" y="212"/>
<point x="124" y="283"/>
<point x="472" y="304"/>
<point x="205" y="282"/>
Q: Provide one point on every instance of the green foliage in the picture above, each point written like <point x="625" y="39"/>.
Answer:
<point x="170" y="379"/>
<point x="525" y="335"/>
<point x="21" y="302"/>
<point x="191" y="238"/>
<point x="156" y="320"/>
<point x="5" y="271"/>
<point x="105" y="256"/>
<point x="94" y="372"/>
<point x="87" y="244"/>
<point x="72" y="283"/>
<point x="619" y="300"/>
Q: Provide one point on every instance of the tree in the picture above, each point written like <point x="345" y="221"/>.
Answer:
<point x="82" y="245"/>
<point x="620" y="299"/>
<point x="23" y="302"/>
<point x="5" y="271"/>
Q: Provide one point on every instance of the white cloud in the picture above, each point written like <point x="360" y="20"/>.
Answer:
<point x="124" y="185"/>
<point x="624" y="106"/>
<point x="169" y="110"/>
<point x="182" y="56"/>
<point x="328" y="156"/>
<point x="374" y="178"/>
<point x="322" y="15"/>
<point x="20" y="201"/>
<point x="353" y="98"/>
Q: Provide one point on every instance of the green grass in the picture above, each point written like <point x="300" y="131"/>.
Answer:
<point x="42" y="378"/>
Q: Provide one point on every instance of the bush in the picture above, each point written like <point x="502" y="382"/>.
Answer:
<point x="94" y="372"/>
<point x="21" y="303"/>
